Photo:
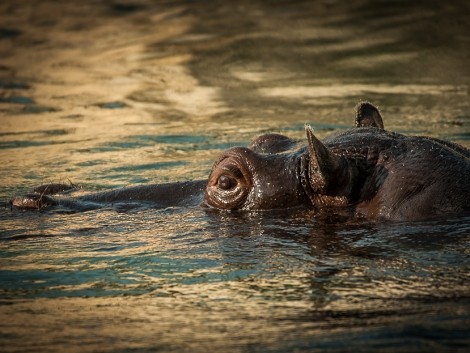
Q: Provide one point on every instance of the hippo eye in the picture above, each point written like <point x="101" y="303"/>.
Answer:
<point x="224" y="182"/>
<point x="230" y="181"/>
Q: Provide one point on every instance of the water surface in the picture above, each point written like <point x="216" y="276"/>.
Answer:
<point x="114" y="93"/>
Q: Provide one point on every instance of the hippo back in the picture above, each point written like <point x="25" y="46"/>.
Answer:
<point x="406" y="177"/>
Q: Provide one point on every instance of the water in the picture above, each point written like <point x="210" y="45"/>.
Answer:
<point x="108" y="94"/>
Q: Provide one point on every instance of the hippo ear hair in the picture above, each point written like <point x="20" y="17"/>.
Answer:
<point x="368" y="115"/>
<point x="324" y="166"/>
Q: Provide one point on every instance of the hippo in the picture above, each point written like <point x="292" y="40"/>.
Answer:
<point x="366" y="172"/>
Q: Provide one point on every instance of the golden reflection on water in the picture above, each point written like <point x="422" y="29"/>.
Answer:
<point x="354" y="89"/>
<point x="172" y="69"/>
<point x="186" y="281"/>
<point x="162" y="323"/>
<point x="227" y="316"/>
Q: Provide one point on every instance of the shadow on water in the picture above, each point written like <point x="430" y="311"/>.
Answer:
<point x="110" y="93"/>
<point x="326" y="57"/>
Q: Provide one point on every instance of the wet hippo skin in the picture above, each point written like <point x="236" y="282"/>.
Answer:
<point x="365" y="171"/>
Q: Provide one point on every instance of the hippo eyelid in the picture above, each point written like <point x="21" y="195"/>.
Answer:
<point x="234" y="170"/>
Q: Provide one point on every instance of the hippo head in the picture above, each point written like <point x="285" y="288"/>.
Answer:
<point x="275" y="171"/>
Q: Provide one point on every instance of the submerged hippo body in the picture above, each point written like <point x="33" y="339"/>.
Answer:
<point x="366" y="171"/>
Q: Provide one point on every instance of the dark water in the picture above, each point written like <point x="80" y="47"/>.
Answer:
<point x="116" y="93"/>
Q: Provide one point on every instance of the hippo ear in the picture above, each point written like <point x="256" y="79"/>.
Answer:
<point x="367" y="115"/>
<point x="324" y="166"/>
